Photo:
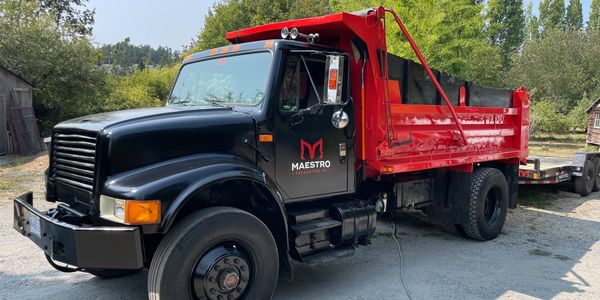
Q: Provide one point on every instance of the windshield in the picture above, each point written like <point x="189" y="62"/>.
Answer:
<point x="235" y="80"/>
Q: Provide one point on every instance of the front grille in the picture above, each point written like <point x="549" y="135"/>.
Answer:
<point x="74" y="159"/>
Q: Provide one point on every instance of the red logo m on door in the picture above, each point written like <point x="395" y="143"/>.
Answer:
<point x="312" y="148"/>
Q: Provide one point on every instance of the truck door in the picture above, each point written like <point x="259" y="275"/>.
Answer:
<point x="311" y="154"/>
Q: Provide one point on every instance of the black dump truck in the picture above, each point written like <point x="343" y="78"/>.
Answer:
<point x="273" y="150"/>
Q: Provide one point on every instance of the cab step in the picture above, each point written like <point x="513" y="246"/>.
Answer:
<point x="314" y="226"/>
<point x="328" y="256"/>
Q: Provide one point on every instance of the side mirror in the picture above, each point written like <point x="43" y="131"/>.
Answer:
<point x="334" y="79"/>
<point x="340" y="119"/>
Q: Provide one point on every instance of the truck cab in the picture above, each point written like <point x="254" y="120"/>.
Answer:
<point x="271" y="150"/>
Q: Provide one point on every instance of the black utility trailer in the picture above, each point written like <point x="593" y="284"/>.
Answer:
<point x="583" y="171"/>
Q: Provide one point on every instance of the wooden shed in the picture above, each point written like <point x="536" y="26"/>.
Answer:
<point x="15" y="92"/>
<point x="593" y="132"/>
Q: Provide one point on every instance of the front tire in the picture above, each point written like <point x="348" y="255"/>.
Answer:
<point x="110" y="273"/>
<point x="215" y="253"/>
<point x="488" y="204"/>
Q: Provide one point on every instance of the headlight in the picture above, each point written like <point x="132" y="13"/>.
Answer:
<point x="133" y="212"/>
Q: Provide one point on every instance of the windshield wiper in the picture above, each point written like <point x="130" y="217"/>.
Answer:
<point x="180" y="102"/>
<point x="217" y="103"/>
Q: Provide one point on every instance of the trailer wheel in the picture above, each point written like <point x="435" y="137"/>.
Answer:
<point x="488" y="204"/>
<point x="585" y="184"/>
<point x="216" y="253"/>
<point x="455" y="229"/>
<point x="596" y="162"/>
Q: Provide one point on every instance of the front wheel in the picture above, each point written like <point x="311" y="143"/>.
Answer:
<point x="110" y="273"/>
<point x="218" y="253"/>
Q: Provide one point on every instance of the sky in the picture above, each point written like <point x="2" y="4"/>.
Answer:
<point x="586" y="7"/>
<point x="172" y="23"/>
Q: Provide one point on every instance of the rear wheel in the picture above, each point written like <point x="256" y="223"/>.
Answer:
<point x="488" y="204"/>
<point x="455" y="229"/>
<point x="584" y="185"/>
<point x="218" y="253"/>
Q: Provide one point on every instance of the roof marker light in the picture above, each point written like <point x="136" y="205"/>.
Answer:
<point x="285" y="33"/>
<point x="294" y="33"/>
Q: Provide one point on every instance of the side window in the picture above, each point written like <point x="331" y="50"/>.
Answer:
<point x="297" y="91"/>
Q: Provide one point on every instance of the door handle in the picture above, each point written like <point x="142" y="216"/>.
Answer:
<point x="342" y="152"/>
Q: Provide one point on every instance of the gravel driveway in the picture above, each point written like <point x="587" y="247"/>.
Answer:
<point x="550" y="252"/>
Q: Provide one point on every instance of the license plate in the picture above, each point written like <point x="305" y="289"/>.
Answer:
<point x="34" y="225"/>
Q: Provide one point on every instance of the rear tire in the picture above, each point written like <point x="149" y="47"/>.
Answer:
<point x="215" y="253"/>
<point x="488" y="204"/>
<point x="455" y="229"/>
<point x="585" y="184"/>
<point x="596" y="163"/>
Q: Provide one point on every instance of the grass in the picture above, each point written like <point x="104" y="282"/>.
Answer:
<point x="19" y="174"/>
<point x="561" y="145"/>
<point x="537" y="196"/>
<point x="557" y="145"/>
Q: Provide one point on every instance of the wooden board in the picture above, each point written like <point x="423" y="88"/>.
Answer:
<point x="25" y="131"/>
<point x="21" y="97"/>
<point x="3" y="126"/>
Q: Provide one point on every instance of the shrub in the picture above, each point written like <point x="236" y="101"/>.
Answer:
<point x="545" y="118"/>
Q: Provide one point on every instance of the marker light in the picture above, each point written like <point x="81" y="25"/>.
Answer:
<point x="285" y="33"/>
<point x="294" y="33"/>
<point x="132" y="212"/>
<point x="142" y="212"/>
<point x="333" y="79"/>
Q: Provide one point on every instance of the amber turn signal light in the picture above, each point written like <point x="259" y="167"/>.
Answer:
<point x="142" y="212"/>
<point x="265" y="138"/>
<point x="132" y="212"/>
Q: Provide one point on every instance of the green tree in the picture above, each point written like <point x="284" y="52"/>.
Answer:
<point x="545" y="118"/>
<point x="574" y="15"/>
<point x="532" y="24"/>
<point x="450" y="34"/>
<point x="552" y="14"/>
<point x="505" y="28"/>
<point x="578" y="116"/>
<point x="161" y="56"/>
<point x="562" y="66"/>
<point x="62" y="67"/>
<point x="71" y="13"/>
<point x="230" y="15"/>
<point x="594" y="22"/>
<point x="142" y="88"/>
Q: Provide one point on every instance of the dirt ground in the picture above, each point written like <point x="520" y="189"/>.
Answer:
<point x="549" y="249"/>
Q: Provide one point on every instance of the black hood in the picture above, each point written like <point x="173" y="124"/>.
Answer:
<point x="135" y="138"/>
<point x="100" y="121"/>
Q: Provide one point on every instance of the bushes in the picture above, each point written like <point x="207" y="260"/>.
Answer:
<point x="578" y="117"/>
<point x="142" y="88"/>
<point x="545" y="118"/>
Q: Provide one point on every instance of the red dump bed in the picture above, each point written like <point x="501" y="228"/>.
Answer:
<point x="402" y="123"/>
